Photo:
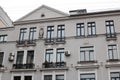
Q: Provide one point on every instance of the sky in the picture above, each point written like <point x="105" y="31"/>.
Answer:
<point x="18" y="8"/>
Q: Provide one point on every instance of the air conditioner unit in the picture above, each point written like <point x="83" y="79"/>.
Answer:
<point x="67" y="53"/>
<point x="11" y="56"/>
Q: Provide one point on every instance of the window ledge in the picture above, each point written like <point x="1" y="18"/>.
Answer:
<point x="112" y="65"/>
<point x="60" y="42"/>
<point x="87" y="67"/>
<point x="51" y="69"/>
<point x="111" y="38"/>
<point x="85" y="62"/>
<point x="22" y="70"/>
<point x="78" y="37"/>
<point x="113" y="60"/>
<point x="90" y="36"/>
<point x="49" y="43"/>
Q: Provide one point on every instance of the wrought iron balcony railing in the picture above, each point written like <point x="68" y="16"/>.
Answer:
<point x="26" y="43"/>
<point x="23" y="66"/>
<point x="54" y="65"/>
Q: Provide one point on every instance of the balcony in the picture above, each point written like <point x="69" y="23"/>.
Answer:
<point x="85" y="62"/>
<point x="23" y="66"/>
<point x="60" y="40"/>
<point x="111" y="36"/>
<point x="113" y="60"/>
<point x="26" y="43"/>
<point x="52" y="41"/>
<point x="54" y="65"/>
<point x="49" y="41"/>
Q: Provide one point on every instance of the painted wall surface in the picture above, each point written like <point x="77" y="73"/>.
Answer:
<point x="72" y="44"/>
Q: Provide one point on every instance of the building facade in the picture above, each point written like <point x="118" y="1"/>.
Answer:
<point x="48" y="44"/>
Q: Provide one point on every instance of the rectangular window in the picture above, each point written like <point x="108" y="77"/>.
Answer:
<point x="115" y="75"/>
<point x="1" y="58"/>
<point x="30" y="57"/>
<point x="47" y="77"/>
<point x="59" y="77"/>
<point x="23" y="32"/>
<point x="61" y="33"/>
<point x="27" y="77"/>
<point x="112" y="52"/>
<point x="3" y="38"/>
<point x="89" y="76"/>
<point x="32" y="33"/>
<point x="110" y="29"/>
<point x="19" y="59"/>
<point x="50" y="33"/>
<point x="86" y="53"/>
<point x="91" y="29"/>
<point x="80" y="31"/>
<point x="49" y="55"/>
<point x="17" y="77"/>
<point x="60" y="55"/>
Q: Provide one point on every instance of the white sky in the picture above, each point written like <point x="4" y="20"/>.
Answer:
<point x="18" y="8"/>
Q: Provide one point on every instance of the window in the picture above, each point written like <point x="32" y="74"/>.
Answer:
<point x="1" y="58"/>
<point x="89" y="76"/>
<point x="86" y="53"/>
<point x="110" y="29"/>
<point x="30" y="57"/>
<point x="27" y="77"/>
<point x="59" y="77"/>
<point x="112" y="52"/>
<point x="47" y="77"/>
<point x="17" y="77"/>
<point x="3" y="38"/>
<point x="91" y="29"/>
<point x="60" y="33"/>
<point x="115" y="75"/>
<point x="60" y="55"/>
<point x="49" y="55"/>
<point x="80" y="29"/>
<point x="32" y="33"/>
<point x="19" y="59"/>
<point x="50" y="33"/>
<point x="23" y="32"/>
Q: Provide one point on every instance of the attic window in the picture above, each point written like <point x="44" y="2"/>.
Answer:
<point x="42" y="15"/>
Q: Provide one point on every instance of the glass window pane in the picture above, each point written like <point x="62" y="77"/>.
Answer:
<point x="110" y="54"/>
<point x="30" y="57"/>
<point x="93" y="30"/>
<point x="91" y="56"/>
<point x="89" y="31"/>
<point x="115" y="54"/>
<point x="20" y="57"/>
<point x="112" y="29"/>
<point x="82" y="56"/>
<point x="60" y="55"/>
<point x="87" y="56"/>
<point x="59" y="77"/>
<point x="82" y="31"/>
<point x="51" y="57"/>
<point x="1" y="57"/>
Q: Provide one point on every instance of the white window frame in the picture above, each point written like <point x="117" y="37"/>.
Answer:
<point x="117" y="50"/>
<point x="94" y="49"/>
<point x="87" y="72"/>
<point x="109" y="71"/>
<point x="22" y="75"/>
<point x="54" y="73"/>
